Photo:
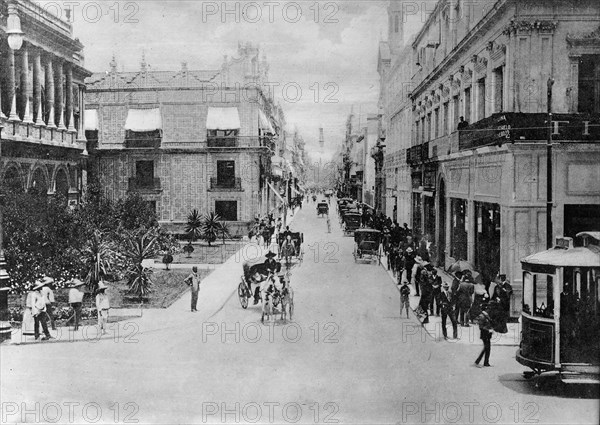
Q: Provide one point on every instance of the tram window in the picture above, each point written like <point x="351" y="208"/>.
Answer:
<point x="543" y="300"/>
<point x="527" y="292"/>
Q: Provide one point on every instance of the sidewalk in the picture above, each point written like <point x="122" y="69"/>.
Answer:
<point x="215" y="290"/>
<point x="466" y="335"/>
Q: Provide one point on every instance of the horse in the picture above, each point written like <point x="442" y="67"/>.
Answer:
<point x="287" y="301"/>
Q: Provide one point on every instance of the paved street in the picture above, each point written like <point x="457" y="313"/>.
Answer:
<point x="347" y="357"/>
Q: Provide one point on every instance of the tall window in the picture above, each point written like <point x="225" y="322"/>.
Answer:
<point x="589" y="84"/>
<point x="456" y="110"/>
<point x="458" y="241"/>
<point x="468" y="104"/>
<point x="227" y="210"/>
<point x="437" y="122"/>
<point x="417" y="133"/>
<point x="445" y="126"/>
<point x="499" y="89"/>
<point x="423" y="130"/>
<point x="481" y="99"/>
<point x="144" y="173"/>
<point x="428" y="127"/>
<point x="226" y="173"/>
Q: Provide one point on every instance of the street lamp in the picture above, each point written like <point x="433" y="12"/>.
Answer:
<point x="5" y="328"/>
<point x="13" y="25"/>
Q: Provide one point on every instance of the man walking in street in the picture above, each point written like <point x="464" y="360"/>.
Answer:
<point x="193" y="280"/>
<point x="447" y="308"/>
<point x="404" y="298"/>
<point x="435" y="293"/>
<point x="75" y="300"/>
<point x="39" y="312"/>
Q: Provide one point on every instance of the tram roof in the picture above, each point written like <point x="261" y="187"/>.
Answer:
<point x="572" y="257"/>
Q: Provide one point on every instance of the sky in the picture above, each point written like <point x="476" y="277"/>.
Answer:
<point x="327" y="48"/>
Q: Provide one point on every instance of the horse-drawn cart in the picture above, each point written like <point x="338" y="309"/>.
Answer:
<point x="290" y="249"/>
<point x="367" y="245"/>
<point x="350" y="222"/>
<point x="322" y="208"/>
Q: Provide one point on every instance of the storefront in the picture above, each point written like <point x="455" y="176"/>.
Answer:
<point x="459" y="227"/>
<point x="487" y="240"/>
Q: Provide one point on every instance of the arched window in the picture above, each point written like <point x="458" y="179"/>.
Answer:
<point x="396" y="23"/>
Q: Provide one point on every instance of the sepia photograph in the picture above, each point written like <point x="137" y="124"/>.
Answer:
<point x="300" y="212"/>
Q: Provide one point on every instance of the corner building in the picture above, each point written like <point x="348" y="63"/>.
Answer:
<point x="480" y="193"/>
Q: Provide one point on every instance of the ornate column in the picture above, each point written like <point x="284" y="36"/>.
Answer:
<point x="25" y="85"/>
<point x="12" y="92"/>
<point x="69" y="99"/>
<point x="37" y="88"/>
<point x="50" y="92"/>
<point x="59" y="87"/>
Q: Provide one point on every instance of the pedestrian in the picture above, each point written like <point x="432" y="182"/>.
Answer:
<point x="436" y="291"/>
<point x="409" y="263"/>
<point x="27" y="324"/>
<point x="485" y="333"/>
<point x="448" y="310"/>
<point x="464" y="295"/>
<point x="404" y="297"/>
<point x="102" y="306"/>
<point x="193" y="280"/>
<point x="48" y="294"/>
<point x="75" y="300"/>
<point x="480" y="299"/>
<point x="38" y="310"/>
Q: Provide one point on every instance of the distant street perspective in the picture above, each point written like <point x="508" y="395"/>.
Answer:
<point x="352" y="212"/>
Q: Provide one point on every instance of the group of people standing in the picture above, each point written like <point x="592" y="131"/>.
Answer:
<point x="40" y="305"/>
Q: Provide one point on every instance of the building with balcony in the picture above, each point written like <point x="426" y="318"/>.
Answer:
<point x="187" y="139"/>
<point x="481" y="192"/>
<point x="41" y="99"/>
<point x="395" y="71"/>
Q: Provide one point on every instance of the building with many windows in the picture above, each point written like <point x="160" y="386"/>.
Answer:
<point x="188" y="139"/>
<point x="481" y="192"/>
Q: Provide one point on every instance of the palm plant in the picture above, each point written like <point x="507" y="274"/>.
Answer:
<point x="225" y="232"/>
<point x="211" y="226"/>
<point x="100" y="258"/>
<point x="139" y="247"/>
<point x="194" y="226"/>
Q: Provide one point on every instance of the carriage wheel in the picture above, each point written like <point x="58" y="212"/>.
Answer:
<point x="242" y="295"/>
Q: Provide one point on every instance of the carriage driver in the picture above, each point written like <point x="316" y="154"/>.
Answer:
<point x="267" y="268"/>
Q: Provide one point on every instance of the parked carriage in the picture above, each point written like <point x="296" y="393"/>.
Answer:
<point x="322" y="208"/>
<point x="561" y="312"/>
<point x="351" y="222"/>
<point x="367" y="245"/>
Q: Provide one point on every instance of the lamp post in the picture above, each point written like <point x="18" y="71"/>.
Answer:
<point x="5" y="329"/>
<point x="549" y="242"/>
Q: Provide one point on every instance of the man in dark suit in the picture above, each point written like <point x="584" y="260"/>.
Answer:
<point x="447" y="307"/>
<point x="464" y="299"/>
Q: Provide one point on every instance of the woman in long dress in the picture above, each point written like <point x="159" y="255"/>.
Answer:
<point x="27" y="325"/>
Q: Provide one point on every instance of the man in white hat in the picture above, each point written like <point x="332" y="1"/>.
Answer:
<point x="76" y="299"/>
<point x="103" y="306"/>
<point x="48" y="295"/>
<point x="38" y="309"/>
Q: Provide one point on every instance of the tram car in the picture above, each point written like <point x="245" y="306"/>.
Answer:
<point x="561" y="312"/>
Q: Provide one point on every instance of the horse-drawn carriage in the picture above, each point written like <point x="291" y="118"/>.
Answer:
<point x="322" y="208"/>
<point x="263" y="281"/>
<point x="350" y="222"/>
<point x="290" y="249"/>
<point x="367" y="245"/>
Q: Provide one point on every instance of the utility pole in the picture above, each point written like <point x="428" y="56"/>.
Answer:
<point x="549" y="242"/>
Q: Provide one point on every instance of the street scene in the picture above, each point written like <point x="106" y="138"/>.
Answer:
<point x="365" y="212"/>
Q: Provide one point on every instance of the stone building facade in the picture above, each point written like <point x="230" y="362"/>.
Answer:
<point x="187" y="139"/>
<point x="42" y="96"/>
<point x="480" y="193"/>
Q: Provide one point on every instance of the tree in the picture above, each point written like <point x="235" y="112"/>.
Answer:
<point x="167" y="259"/>
<point x="188" y="249"/>
<point x="225" y="232"/>
<point x="194" y="226"/>
<point x="211" y="226"/>
<point x="139" y="246"/>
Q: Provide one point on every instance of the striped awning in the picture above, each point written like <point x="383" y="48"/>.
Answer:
<point x="90" y="120"/>
<point x="223" y="119"/>
<point x="143" y="120"/>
